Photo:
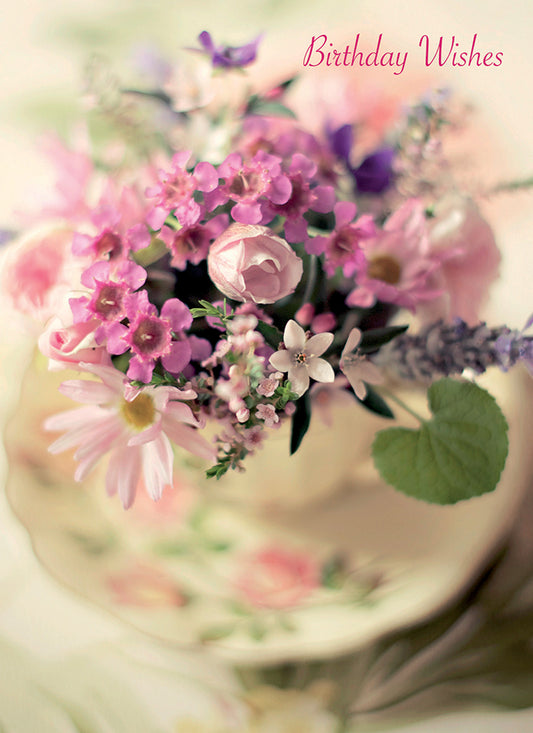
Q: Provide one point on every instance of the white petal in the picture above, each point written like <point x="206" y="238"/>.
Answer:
<point x="353" y="340"/>
<point x="370" y="373"/>
<point x="320" y="369"/>
<point x="353" y="375"/>
<point x="281" y="360"/>
<point x="299" y="379"/>
<point x="294" y="336"/>
<point x="318" y="344"/>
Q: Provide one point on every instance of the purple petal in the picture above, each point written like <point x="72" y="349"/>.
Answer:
<point x="206" y="41"/>
<point x="341" y="141"/>
<point x="374" y="175"/>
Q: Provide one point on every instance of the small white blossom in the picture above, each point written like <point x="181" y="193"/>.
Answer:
<point x="300" y="358"/>
<point x="356" y="367"/>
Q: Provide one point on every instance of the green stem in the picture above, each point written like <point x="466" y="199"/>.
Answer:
<point x="311" y="279"/>
<point x="524" y="183"/>
<point x="402" y="404"/>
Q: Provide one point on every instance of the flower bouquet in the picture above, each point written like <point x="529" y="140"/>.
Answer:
<point x="219" y="276"/>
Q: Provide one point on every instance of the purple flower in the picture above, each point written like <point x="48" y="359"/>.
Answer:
<point x="374" y="175"/>
<point x="229" y="57"/>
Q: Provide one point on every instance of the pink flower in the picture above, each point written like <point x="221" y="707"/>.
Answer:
<point x="149" y="336"/>
<point x="278" y="578"/>
<point x="38" y="271"/>
<point x="300" y="357"/>
<point x="145" y="587"/>
<point x="175" y="190"/>
<point x="134" y="426"/>
<point x="302" y="172"/>
<point x="356" y="367"/>
<point x="268" y="414"/>
<point x="343" y="246"/>
<point x="470" y="258"/>
<point x="110" y="282"/>
<point x="247" y="183"/>
<point x="398" y="262"/>
<point x="191" y="244"/>
<point x="251" y="263"/>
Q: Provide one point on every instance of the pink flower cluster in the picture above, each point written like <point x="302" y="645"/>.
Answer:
<point x="128" y="287"/>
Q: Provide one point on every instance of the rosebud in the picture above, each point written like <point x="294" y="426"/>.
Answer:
<point x="251" y="263"/>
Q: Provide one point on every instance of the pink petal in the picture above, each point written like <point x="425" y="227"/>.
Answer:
<point x="344" y="213"/>
<point x="206" y="177"/>
<point x="157" y="461"/>
<point x="92" y="393"/>
<point x="141" y="370"/>
<point x="123" y="474"/>
<point x="178" y="358"/>
<point x="189" y="439"/>
<point x="177" y="313"/>
<point x="146" y="436"/>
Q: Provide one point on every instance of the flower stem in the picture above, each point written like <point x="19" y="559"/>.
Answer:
<point x="402" y="404"/>
<point x="311" y="279"/>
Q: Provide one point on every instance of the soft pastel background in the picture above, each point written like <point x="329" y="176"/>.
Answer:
<point x="50" y="641"/>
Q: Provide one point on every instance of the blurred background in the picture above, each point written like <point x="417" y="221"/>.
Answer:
<point x="45" y="632"/>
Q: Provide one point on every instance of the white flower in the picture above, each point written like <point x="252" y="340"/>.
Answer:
<point x="356" y="367"/>
<point x="300" y="357"/>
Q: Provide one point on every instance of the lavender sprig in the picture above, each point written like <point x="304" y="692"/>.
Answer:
<point x="443" y="349"/>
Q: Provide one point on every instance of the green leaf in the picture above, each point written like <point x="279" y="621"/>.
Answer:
<point x="374" y="338"/>
<point x="300" y="421"/>
<point x="458" y="454"/>
<point x="271" y="334"/>
<point x="259" y="106"/>
<point x="375" y="403"/>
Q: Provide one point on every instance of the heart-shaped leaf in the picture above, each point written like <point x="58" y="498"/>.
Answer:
<point x="458" y="454"/>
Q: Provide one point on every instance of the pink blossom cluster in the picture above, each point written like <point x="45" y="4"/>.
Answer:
<point x="195" y="290"/>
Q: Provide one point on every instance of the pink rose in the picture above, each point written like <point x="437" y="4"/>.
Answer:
<point x="70" y="345"/>
<point x="36" y="273"/>
<point x="251" y="263"/>
<point x="470" y="259"/>
<point x="275" y="578"/>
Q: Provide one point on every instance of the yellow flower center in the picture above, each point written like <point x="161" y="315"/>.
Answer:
<point x="140" y="412"/>
<point x="385" y="268"/>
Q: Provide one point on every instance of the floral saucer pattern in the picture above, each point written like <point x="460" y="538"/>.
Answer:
<point x="255" y="586"/>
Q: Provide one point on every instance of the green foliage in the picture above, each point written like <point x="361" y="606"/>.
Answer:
<point x="458" y="454"/>
<point x="300" y="422"/>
